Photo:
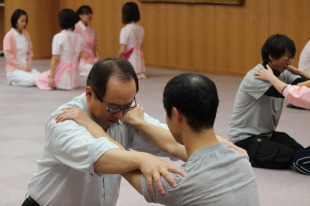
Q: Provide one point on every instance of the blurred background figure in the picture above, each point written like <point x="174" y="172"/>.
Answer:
<point x="304" y="59"/>
<point x="90" y="53"/>
<point x="131" y="38"/>
<point x="66" y="50"/>
<point x="18" y="54"/>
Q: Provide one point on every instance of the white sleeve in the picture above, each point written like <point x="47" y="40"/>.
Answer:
<point x="73" y="146"/>
<point x="124" y="35"/>
<point x="57" y="44"/>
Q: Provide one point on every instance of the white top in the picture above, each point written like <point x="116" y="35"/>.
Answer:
<point x="304" y="59"/>
<point x="22" y="47"/>
<point x="61" y="45"/>
<point x="128" y="37"/>
<point x="132" y="36"/>
<point x="65" y="174"/>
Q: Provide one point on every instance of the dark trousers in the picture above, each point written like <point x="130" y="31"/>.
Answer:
<point x="30" y="202"/>
<point x="275" y="152"/>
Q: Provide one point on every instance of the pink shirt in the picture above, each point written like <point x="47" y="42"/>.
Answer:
<point x="90" y="40"/>
<point x="298" y="96"/>
<point x="10" y="51"/>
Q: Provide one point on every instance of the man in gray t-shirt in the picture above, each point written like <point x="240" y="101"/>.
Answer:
<point x="216" y="174"/>
<point x="258" y="107"/>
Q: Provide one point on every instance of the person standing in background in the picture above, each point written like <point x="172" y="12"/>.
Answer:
<point x="66" y="49"/>
<point x="90" y="53"/>
<point x="304" y="59"/>
<point x="131" y="38"/>
<point x="17" y="48"/>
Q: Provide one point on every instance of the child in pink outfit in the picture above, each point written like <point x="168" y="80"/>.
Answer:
<point x="66" y="49"/>
<point x="131" y="38"/>
<point x="90" y="54"/>
<point x="17" y="48"/>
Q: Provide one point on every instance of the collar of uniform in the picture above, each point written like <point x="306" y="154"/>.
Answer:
<point x="16" y="32"/>
<point x="82" y="25"/>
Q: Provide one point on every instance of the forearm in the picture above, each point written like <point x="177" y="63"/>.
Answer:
<point x="97" y="53"/>
<point x="54" y="61"/>
<point x="118" y="161"/>
<point x="306" y="83"/>
<point x="134" y="178"/>
<point x="302" y="73"/>
<point x="121" y="51"/>
<point x="278" y="84"/>
<point x="163" y="139"/>
<point x="83" y="56"/>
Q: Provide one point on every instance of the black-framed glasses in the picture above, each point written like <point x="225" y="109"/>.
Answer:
<point x="288" y="58"/>
<point x="116" y="110"/>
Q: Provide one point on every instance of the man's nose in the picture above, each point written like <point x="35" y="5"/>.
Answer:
<point x="119" y="114"/>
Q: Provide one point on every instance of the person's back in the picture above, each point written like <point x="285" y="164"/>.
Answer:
<point x="216" y="175"/>
<point x="131" y="38"/>
<point x="66" y="50"/>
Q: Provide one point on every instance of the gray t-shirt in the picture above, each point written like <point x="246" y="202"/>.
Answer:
<point x="216" y="175"/>
<point x="253" y="112"/>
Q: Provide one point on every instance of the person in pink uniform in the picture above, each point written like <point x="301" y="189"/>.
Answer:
<point x="66" y="49"/>
<point x="90" y="54"/>
<point x="17" y="48"/>
<point x="295" y="94"/>
<point x="131" y="38"/>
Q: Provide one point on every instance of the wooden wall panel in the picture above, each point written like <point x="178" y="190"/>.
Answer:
<point x="153" y="19"/>
<point x="209" y="38"/>
<point x="292" y="19"/>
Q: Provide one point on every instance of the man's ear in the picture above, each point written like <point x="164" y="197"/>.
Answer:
<point x="89" y="93"/>
<point x="177" y="115"/>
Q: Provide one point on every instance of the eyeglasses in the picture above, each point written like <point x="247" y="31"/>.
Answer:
<point x="288" y="58"/>
<point x="116" y="110"/>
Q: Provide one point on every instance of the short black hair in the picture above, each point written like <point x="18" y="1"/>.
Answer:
<point x="67" y="19"/>
<point x="15" y="16"/>
<point x="84" y="9"/>
<point x="195" y="95"/>
<point x="130" y="13"/>
<point x="106" y="68"/>
<point x="276" y="46"/>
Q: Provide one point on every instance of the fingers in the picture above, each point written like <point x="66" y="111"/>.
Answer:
<point x="177" y="170"/>
<point x="165" y="173"/>
<point x="67" y="113"/>
<point x="158" y="183"/>
<point x="257" y="72"/>
<point x="149" y="181"/>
